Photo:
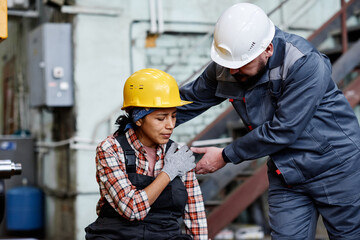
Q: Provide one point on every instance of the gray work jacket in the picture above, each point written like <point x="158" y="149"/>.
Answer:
<point x="295" y="113"/>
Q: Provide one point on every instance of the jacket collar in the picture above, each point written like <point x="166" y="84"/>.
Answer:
<point x="277" y="58"/>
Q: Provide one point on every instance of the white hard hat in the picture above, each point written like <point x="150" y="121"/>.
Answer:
<point x="241" y="34"/>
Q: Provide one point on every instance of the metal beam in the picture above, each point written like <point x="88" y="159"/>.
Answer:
<point x="333" y="23"/>
<point x="238" y="201"/>
<point x="212" y="185"/>
<point x="218" y="126"/>
<point x="344" y="32"/>
<point x="352" y="92"/>
<point x="346" y="63"/>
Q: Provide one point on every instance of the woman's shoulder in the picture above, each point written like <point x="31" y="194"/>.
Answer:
<point x="109" y="142"/>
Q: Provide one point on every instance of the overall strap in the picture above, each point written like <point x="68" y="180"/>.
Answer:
<point x="129" y="153"/>
<point x="168" y="145"/>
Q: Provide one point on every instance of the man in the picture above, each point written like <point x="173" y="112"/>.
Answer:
<point x="281" y="87"/>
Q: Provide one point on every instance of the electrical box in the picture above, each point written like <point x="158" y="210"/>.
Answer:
<point x="50" y="65"/>
<point x="3" y="20"/>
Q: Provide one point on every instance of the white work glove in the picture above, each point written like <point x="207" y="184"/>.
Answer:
<point x="178" y="163"/>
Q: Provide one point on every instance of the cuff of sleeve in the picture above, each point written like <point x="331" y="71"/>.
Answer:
<point x="226" y="159"/>
<point x="145" y="199"/>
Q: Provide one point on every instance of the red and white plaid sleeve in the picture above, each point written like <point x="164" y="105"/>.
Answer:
<point x="114" y="185"/>
<point x="195" y="216"/>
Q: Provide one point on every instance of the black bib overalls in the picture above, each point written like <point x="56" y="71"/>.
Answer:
<point x="162" y="221"/>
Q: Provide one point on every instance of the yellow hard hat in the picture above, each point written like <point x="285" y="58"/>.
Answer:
<point x="151" y="88"/>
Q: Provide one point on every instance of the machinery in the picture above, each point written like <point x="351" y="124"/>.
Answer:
<point x="7" y="170"/>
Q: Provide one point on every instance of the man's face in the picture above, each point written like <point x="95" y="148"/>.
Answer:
<point x="249" y="74"/>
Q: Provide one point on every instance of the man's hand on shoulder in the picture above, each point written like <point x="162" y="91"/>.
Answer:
<point x="211" y="161"/>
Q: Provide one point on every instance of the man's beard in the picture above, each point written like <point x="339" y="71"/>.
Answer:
<point x="250" y="80"/>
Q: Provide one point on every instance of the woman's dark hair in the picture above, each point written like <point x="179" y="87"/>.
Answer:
<point x="122" y="121"/>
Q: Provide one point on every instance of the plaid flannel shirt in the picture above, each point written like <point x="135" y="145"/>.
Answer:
<point x="133" y="204"/>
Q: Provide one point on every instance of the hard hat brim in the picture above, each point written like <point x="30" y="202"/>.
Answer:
<point x="226" y="63"/>
<point x="181" y="103"/>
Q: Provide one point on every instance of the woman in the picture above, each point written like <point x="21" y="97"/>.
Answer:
<point x="146" y="183"/>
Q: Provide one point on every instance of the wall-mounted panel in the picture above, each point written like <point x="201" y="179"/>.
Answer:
<point x="50" y="65"/>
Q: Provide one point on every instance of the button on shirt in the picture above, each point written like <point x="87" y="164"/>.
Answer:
<point x="133" y="204"/>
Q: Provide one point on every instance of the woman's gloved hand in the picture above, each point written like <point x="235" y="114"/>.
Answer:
<point x="178" y="163"/>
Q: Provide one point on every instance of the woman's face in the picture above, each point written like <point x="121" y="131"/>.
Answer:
<point x="156" y="127"/>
